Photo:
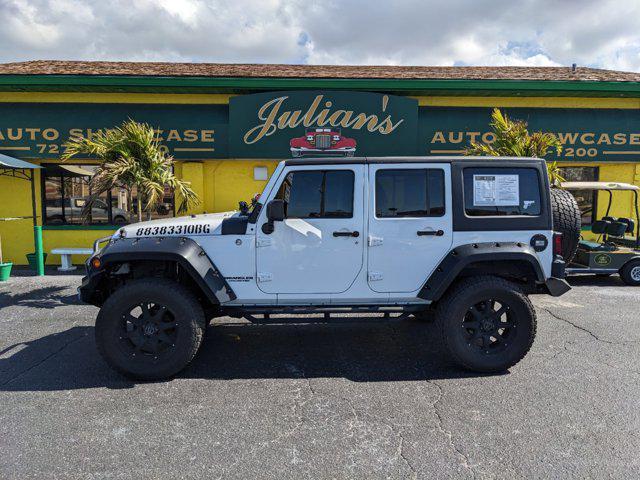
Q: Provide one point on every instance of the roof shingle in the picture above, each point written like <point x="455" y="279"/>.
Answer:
<point x="158" y="69"/>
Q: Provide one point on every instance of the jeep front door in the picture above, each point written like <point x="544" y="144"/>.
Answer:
<point x="318" y="248"/>
<point x="410" y="224"/>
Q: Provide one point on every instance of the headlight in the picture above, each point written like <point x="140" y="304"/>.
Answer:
<point x="336" y="138"/>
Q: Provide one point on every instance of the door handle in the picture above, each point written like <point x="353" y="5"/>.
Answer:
<point x="436" y="233"/>
<point x="346" y="234"/>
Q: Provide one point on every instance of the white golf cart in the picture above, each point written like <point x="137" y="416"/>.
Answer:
<point x="617" y="247"/>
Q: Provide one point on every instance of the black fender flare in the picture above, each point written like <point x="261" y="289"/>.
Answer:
<point x="463" y="255"/>
<point x="184" y="251"/>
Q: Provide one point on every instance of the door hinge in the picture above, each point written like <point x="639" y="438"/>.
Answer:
<point x="375" y="276"/>
<point x="263" y="242"/>
<point x="264" y="277"/>
<point x="374" y="241"/>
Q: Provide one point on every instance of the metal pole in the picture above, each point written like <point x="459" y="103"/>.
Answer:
<point x="37" y="231"/>
<point x="635" y="198"/>
<point x="33" y="199"/>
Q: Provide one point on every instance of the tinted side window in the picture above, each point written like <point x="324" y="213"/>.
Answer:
<point x="338" y="194"/>
<point x="409" y="193"/>
<point x="318" y="194"/>
<point x="501" y="191"/>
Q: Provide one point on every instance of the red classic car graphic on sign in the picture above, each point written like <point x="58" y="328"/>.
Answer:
<point x="323" y="141"/>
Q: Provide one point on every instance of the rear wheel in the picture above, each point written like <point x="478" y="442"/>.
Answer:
<point x="487" y="323"/>
<point x="150" y="329"/>
<point x="630" y="272"/>
<point x="566" y="220"/>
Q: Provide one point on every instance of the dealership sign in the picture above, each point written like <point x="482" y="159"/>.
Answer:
<point x="279" y="125"/>
<point x="312" y="123"/>
<point x="39" y="130"/>
<point x="585" y="134"/>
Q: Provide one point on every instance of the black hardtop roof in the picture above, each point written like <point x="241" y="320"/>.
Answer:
<point x="429" y="159"/>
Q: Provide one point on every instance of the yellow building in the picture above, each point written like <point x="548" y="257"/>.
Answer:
<point x="228" y="125"/>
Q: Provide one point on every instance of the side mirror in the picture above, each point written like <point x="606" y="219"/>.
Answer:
<point x="275" y="213"/>
<point x="275" y="210"/>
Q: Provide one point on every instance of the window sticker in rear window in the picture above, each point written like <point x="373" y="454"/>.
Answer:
<point x="496" y="190"/>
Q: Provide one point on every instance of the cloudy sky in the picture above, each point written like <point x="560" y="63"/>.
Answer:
<point x="600" y="33"/>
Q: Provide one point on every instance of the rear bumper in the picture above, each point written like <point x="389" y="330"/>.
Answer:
<point x="558" y="267"/>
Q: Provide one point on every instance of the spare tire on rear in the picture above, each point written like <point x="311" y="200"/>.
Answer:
<point x="566" y="220"/>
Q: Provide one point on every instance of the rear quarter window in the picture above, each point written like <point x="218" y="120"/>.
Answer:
<point x="492" y="192"/>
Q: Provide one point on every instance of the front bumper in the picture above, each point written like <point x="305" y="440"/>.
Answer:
<point x="89" y="290"/>
<point x="340" y="152"/>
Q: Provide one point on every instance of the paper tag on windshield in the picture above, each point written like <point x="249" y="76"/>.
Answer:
<point x="496" y="190"/>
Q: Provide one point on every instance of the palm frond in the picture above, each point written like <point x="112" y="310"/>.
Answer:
<point x="512" y="139"/>
<point x="131" y="156"/>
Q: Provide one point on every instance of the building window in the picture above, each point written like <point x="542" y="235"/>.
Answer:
<point x="66" y="191"/>
<point x="409" y="193"/>
<point x="490" y="192"/>
<point x="318" y="194"/>
<point x="587" y="199"/>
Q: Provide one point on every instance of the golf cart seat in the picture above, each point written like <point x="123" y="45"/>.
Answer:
<point x="621" y="239"/>
<point x="596" y="247"/>
<point x="599" y="227"/>
<point x="631" y="225"/>
<point x="616" y="229"/>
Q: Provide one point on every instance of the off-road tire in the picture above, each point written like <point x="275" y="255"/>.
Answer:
<point x="566" y="220"/>
<point x="454" y="307"/>
<point x="188" y="316"/>
<point x="626" y="273"/>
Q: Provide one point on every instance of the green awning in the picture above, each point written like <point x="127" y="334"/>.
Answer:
<point x="7" y="162"/>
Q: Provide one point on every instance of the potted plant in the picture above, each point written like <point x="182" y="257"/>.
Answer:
<point x="5" y="267"/>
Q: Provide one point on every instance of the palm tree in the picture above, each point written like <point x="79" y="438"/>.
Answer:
<point x="131" y="156"/>
<point x="512" y="139"/>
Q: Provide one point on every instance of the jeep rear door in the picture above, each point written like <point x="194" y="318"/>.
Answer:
<point x="319" y="247"/>
<point x="410" y="224"/>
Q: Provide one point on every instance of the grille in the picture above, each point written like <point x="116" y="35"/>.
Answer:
<point x="323" y="141"/>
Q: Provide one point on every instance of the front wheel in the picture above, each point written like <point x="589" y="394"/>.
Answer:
<point x="630" y="273"/>
<point x="487" y="323"/>
<point x="150" y="329"/>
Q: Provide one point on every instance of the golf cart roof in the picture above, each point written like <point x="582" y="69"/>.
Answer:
<point x="598" y="186"/>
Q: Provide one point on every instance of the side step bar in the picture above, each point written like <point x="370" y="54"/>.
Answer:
<point x="399" y="312"/>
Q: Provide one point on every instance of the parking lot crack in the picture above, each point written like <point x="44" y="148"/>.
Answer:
<point x="399" y="452"/>
<point x="464" y="459"/>
<point x="575" y="325"/>
<point x="299" y="421"/>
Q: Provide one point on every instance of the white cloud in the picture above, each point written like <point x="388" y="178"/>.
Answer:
<point x="603" y="33"/>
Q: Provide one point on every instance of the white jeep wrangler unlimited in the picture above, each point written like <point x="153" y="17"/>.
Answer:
<point x="465" y="237"/>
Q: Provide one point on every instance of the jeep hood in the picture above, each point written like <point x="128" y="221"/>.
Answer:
<point x="190" y="225"/>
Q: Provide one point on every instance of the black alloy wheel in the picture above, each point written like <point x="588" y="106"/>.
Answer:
<point x="150" y="328"/>
<point x="487" y="326"/>
<point x="487" y="323"/>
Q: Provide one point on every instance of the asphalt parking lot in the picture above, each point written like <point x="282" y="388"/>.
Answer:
<point x="340" y="400"/>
